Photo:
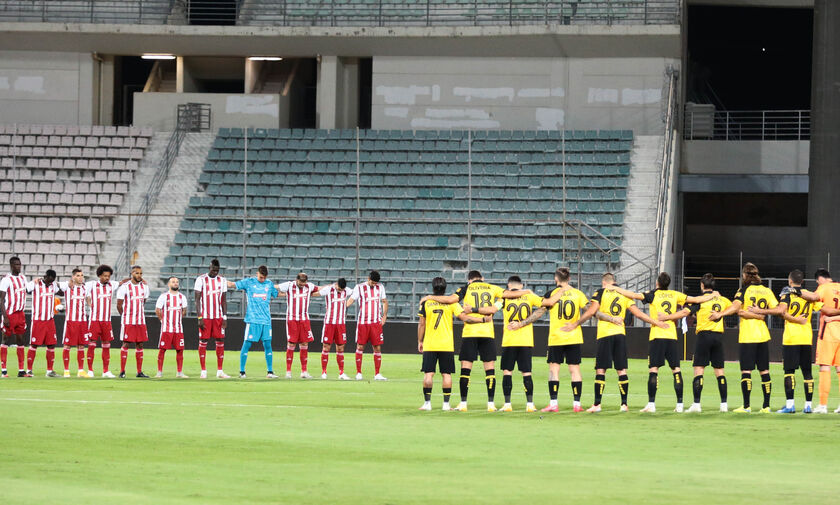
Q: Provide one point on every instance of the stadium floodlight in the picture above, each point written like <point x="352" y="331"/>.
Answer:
<point x="264" y="58"/>
<point x="158" y="56"/>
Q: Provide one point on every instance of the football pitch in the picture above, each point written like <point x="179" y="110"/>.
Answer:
<point x="162" y="441"/>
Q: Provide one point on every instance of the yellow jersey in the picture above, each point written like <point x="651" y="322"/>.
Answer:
<point x="795" y="333"/>
<point x="518" y="309"/>
<point x="439" y="317"/>
<point x="829" y="296"/>
<point x="567" y="310"/>
<point x="754" y="331"/>
<point x="702" y="311"/>
<point x="479" y="294"/>
<point x="664" y="301"/>
<point x="615" y="305"/>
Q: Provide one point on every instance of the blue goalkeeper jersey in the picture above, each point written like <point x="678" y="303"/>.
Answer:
<point x="259" y="295"/>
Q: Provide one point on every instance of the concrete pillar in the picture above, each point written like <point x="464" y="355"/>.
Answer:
<point x="347" y="114"/>
<point x="326" y="92"/>
<point x="87" y="87"/>
<point x="105" y="115"/>
<point x="184" y="82"/>
<point x="823" y="175"/>
<point x="252" y="74"/>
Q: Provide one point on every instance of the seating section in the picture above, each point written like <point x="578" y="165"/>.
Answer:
<point x="86" y="11"/>
<point x="59" y="186"/>
<point x="458" y="12"/>
<point x="414" y="205"/>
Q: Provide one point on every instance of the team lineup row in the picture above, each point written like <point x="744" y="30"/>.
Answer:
<point x="88" y="309"/>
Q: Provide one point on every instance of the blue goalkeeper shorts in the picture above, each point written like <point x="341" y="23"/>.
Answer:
<point x="257" y="332"/>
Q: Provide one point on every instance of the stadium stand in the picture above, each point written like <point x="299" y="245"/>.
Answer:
<point x="346" y="12"/>
<point x="301" y="188"/>
<point x="60" y="185"/>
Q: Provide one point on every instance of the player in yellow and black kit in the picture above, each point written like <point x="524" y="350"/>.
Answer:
<point x="663" y="343"/>
<point x="610" y="308"/>
<point x="518" y="344"/>
<point x="797" y="339"/>
<point x="477" y="340"/>
<point x="565" y="338"/>
<point x="753" y="335"/>
<point x="436" y="342"/>
<point x="708" y="347"/>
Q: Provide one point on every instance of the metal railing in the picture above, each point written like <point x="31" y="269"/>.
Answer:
<point x="87" y="11"/>
<point x="345" y="12"/>
<point x="707" y="124"/>
<point x="136" y="226"/>
<point x="194" y="117"/>
<point x="664" y="200"/>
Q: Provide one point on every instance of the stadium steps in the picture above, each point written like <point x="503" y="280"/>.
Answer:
<point x="118" y="229"/>
<point x="172" y="203"/>
<point x="642" y="196"/>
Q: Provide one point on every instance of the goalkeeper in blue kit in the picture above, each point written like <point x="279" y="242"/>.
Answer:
<point x="259" y="291"/>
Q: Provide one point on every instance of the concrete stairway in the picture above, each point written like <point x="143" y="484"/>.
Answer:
<point x="642" y="196"/>
<point x="171" y="205"/>
<point x="118" y="229"/>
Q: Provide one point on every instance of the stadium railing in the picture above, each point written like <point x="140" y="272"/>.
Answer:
<point x="704" y="123"/>
<point x="346" y="12"/>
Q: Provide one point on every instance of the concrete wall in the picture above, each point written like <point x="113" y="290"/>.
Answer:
<point x="519" y="93"/>
<point x="46" y="87"/>
<point x="158" y="110"/>
<point x="745" y="157"/>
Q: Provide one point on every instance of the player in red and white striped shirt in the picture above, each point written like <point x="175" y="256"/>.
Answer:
<point x="298" y="329"/>
<point x="75" y="322"/>
<point x="43" y="325"/>
<point x="170" y="308"/>
<point x="131" y="297"/>
<point x="211" y="307"/>
<point x="334" y="330"/>
<point x="99" y="295"/>
<point x="370" y="318"/>
<point x="13" y="301"/>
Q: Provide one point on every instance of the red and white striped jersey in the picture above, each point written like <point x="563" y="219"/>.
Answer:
<point x="336" y="301"/>
<point x="171" y="306"/>
<point x="15" y="288"/>
<point x="43" y="300"/>
<point x="211" y="289"/>
<point x="134" y="296"/>
<point x="74" y="301"/>
<point x="100" y="299"/>
<point x="297" y="299"/>
<point x="369" y="299"/>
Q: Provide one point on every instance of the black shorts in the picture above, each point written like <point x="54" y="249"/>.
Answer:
<point x="611" y="352"/>
<point x="444" y="359"/>
<point x="519" y="356"/>
<point x="754" y="356"/>
<point x="473" y="347"/>
<point x="662" y="349"/>
<point x="796" y="356"/>
<point x="569" y="352"/>
<point x="708" y="349"/>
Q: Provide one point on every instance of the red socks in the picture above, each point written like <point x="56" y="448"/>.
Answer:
<point x="290" y="356"/>
<point x="50" y="359"/>
<point x="21" y="357"/>
<point x="161" y="356"/>
<point x="325" y="359"/>
<point x="80" y="358"/>
<point x="30" y="358"/>
<point x="4" y="351"/>
<point x="65" y="356"/>
<point x="202" y="354"/>
<point x="106" y="358"/>
<point x="138" y="355"/>
<point x="90" y="353"/>
<point x="304" y="359"/>
<point x="220" y="353"/>
<point x="179" y="360"/>
<point x="123" y="358"/>
<point x="339" y="358"/>
<point x="377" y="361"/>
<point x="359" y="355"/>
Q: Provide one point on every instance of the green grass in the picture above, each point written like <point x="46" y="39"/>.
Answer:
<point x="154" y="441"/>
